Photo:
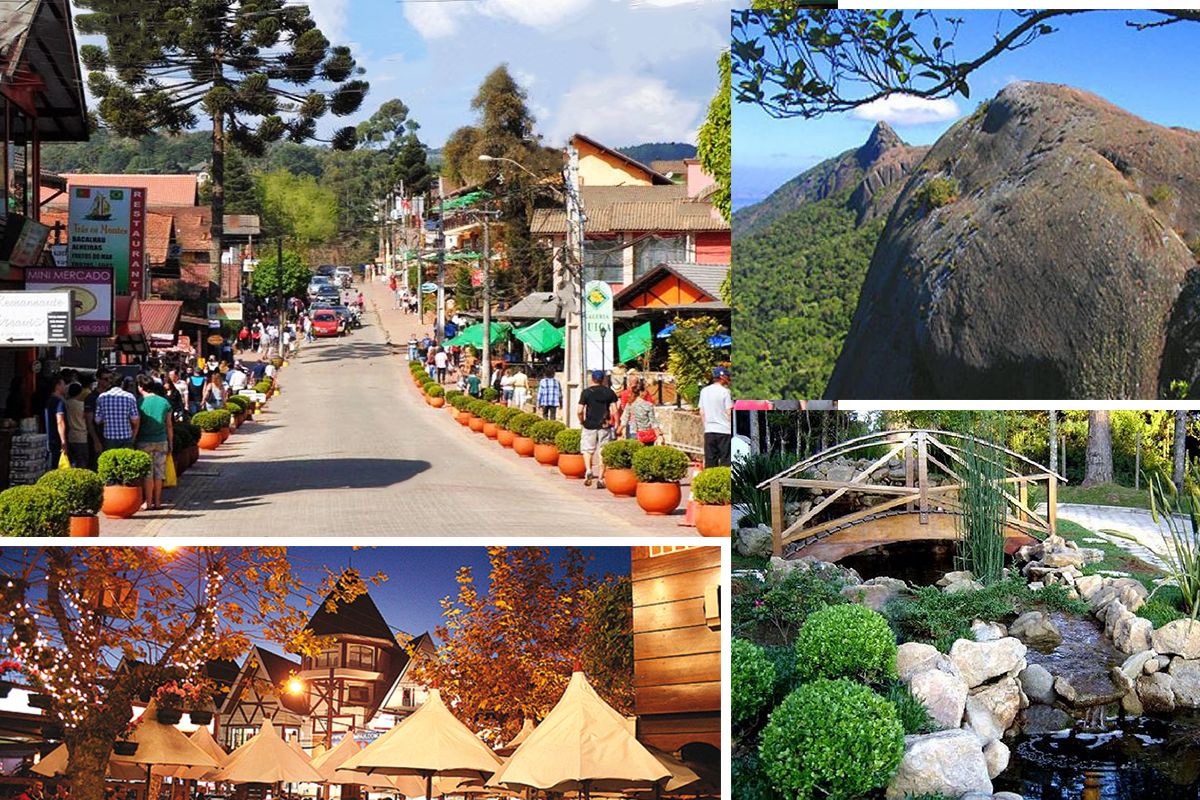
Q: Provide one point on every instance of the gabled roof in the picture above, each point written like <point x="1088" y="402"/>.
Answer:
<point x="161" y="316"/>
<point x="37" y="40"/>
<point x="161" y="190"/>
<point x="279" y="669"/>
<point x="539" y="305"/>
<point x="706" y="278"/>
<point x="653" y="175"/>
<point x="637" y="209"/>
<point x="358" y="618"/>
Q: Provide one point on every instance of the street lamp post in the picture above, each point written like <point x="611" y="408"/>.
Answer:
<point x="487" y="292"/>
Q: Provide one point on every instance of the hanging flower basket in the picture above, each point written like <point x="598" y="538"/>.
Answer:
<point x="41" y="701"/>
<point x="200" y="717"/>
<point x="169" y="716"/>
<point x="4" y="690"/>
<point x="52" y="731"/>
<point x="123" y="748"/>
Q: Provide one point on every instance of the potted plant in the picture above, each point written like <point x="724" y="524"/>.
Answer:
<point x="659" y="470"/>
<point x="210" y="429"/>
<point x="235" y="420"/>
<point x="83" y="492"/>
<point x="123" y="471"/>
<point x="7" y="666"/>
<point x="39" y="700"/>
<point x="710" y="488"/>
<point x="570" y="460"/>
<point x="224" y="418"/>
<point x="124" y="745"/>
<point x="464" y="410"/>
<point x="520" y="425"/>
<point x="451" y="394"/>
<point x="504" y="416"/>
<point x="490" y="395"/>
<point x="437" y="396"/>
<point x="478" y="408"/>
<point x="543" y="434"/>
<point x="34" y="511"/>
<point x="618" y="466"/>
<point x="170" y="699"/>
<point x="490" y="414"/>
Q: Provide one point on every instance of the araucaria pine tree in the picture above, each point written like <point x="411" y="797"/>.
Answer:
<point x="260" y="70"/>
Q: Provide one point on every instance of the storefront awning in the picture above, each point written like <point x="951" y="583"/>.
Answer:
<point x="474" y="335"/>
<point x="160" y="316"/>
<point x="633" y="343"/>
<point x="131" y="336"/>
<point x="540" y="337"/>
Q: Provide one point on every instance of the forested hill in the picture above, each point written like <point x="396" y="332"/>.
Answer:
<point x="659" y="151"/>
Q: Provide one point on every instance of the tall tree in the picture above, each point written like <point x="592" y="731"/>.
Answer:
<point x="715" y="141"/>
<point x="241" y="194"/>
<point x="1099" y="465"/>
<point x="298" y="207"/>
<point x="1179" y="449"/>
<point x="260" y="71"/>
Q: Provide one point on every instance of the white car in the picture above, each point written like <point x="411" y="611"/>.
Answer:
<point x="342" y="276"/>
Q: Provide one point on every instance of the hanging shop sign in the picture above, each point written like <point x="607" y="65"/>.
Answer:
<point x="428" y="288"/>
<point x="35" y="319"/>
<point x="92" y="290"/>
<point x="225" y="312"/>
<point x="108" y="226"/>
<point x="598" y="334"/>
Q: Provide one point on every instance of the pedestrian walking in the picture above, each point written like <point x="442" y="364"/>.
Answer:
<point x="641" y="421"/>
<point x="154" y="437"/>
<point x="395" y="292"/>
<point x="520" y="384"/>
<point x="117" y="413"/>
<point x="549" y="395"/>
<point x="716" y="412"/>
<point x="213" y="396"/>
<point x="77" y="431"/>
<point x="441" y="361"/>
<point x="597" y="413"/>
<point x="506" y="387"/>
<point x="412" y="347"/>
<point x="56" y="421"/>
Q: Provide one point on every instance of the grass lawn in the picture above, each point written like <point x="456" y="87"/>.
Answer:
<point x="1108" y="494"/>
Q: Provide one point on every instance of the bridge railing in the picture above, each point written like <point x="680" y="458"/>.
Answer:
<point x="920" y="450"/>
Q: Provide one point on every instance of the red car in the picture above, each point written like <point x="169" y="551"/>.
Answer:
<point x="326" y="323"/>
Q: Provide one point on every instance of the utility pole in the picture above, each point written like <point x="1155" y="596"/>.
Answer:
<point x="440" y="325"/>
<point x="487" y="295"/>
<point x="571" y="287"/>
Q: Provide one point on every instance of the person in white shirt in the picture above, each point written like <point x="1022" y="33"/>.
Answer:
<point x="236" y="380"/>
<point x="716" y="412"/>
<point x="440" y="361"/>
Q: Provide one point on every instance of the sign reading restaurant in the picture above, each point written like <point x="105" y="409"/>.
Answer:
<point x="107" y="231"/>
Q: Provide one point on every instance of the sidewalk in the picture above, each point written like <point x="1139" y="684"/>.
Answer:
<point x="1135" y="522"/>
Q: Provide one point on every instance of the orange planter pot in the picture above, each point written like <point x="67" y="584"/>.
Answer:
<point x="491" y="430"/>
<point x="86" y="526"/>
<point x="121" y="502"/>
<point x="210" y="440"/>
<point x="658" y="498"/>
<point x="505" y="437"/>
<point x="546" y="454"/>
<point x="621" y="482"/>
<point x="476" y="424"/>
<point x="714" y="520"/>
<point x="437" y="402"/>
<point x="225" y="433"/>
<point x="523" y="446"/>
<point x="572" y="465"/>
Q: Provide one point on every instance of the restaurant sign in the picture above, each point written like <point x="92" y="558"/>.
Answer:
<point x="107" y="230"/>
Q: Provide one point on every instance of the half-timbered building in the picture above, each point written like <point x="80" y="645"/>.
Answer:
<point x="261" y="692"/>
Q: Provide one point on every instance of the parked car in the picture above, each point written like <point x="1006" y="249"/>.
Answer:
<point x="327" y="270"/>
<point x="327" y="294"/>
<point x="327" y="323"/>
<point x="343" y="275"/>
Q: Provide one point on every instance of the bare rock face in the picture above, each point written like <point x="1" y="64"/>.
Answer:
<point x="1061" y="269"/>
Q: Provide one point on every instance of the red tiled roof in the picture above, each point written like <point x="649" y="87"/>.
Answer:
<point x="160" y="316"/>
<point x="192" y="231"/>
<point x="169" y="190"/>
<point x="639" y="209"/>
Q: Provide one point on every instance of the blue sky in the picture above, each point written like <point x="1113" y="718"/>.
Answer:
<point x="622" y="71"/>
<point x="1150" y="73"/>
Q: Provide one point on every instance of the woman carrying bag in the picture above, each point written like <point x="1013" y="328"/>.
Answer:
<point x="639" y="418"/>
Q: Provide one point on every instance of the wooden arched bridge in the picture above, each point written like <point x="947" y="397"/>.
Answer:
<point x="926" y="505"/>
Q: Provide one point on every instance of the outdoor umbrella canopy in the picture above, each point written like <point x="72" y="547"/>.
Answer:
<point x="633" y="343"/>
<point x="329" y="765"/>
<point x="527" y="727"/>
<point x="265" y="758"/>
<point x="164" y="744"/>
<point x="431" y="741"/>
<point x="473" y="335"/>
<point x="583" y="743"/>
<point x="541" y="336"/>
<point x="205" y="741"/>
<point x="55" y="764"/>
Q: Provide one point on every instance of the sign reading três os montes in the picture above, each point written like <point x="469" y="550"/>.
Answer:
<point x="35" y="319"/>
<point x="599" y="339"/>
<point x="93" y="295"/>
<point x="107" y="230"/>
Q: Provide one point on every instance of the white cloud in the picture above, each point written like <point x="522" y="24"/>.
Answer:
<point x="331" y="17"/>
<point x="438" y="20"/>
<point x="622" y="110"/>
<point x="904" y="109"/>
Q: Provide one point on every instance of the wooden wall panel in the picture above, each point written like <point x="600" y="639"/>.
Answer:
<point x="676" y="642"/>
<point x="673" y="699"/>
<point x="668" y="616"/>
<point x="645" y="566"/>
<point x="674" y="587"/>
<point x="677" y="670"/>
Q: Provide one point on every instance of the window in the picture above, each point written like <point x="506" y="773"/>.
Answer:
<point x="235" y="737"/>
<point x="655" y="250"/>
<point x="361" y="656"/>
<point x="406" y="697"/>
<point x="663" y="549"/>
<point x="328" y="657"/>
<point x="602" y="261"/>
<point x="358" y="693"/>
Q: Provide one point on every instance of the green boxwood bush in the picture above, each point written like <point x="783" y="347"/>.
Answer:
<point x="124" y="467"/>
<point x="436" y="391"/>
<point x="277" y="362"/>
<point x="263" y="386"/>
<point x="34" y="511"/>
<point x="451" y="393"/>
<point x="522" y="423"/>
<point x="81" y="489"/>
<point x="753" y="681"/>
<point x="660" y="464"/>
<point x="488" y="412"/>
<point x="241" y="401"/>
<point x="233" y="410"/>
<point x="846" y="641"/>
<point x="505" y="415"/>
<point x="546" y="431"/>
<point x="475" y="405"/>
<point x="490" y="394"/>
<point x="186" y="436"/>
<point x="567" y="441"/>
<point x="619" y="454"/>
<point x="711" y="486"/>
<point x="771" y="609"/>
<point x="831" y="739"/>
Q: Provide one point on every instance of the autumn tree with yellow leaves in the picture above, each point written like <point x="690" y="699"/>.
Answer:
<point x="507" y="651"/>
<point x="97" y="628"/>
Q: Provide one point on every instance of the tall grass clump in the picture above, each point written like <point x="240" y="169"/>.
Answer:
<point x="984" y="510"/>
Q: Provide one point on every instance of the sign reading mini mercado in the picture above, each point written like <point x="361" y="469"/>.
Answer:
<point x="598" y="334"/>
<point x="93" y="295"/>
<point x="35" y="319"/>
<point x="107" y="230"/>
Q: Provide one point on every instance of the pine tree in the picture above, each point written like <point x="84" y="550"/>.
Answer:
<point x="260" y="70"/>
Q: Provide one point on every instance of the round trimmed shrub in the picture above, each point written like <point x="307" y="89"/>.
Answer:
<point x="277" y="362"/>
<point x="832" y="739"/>
<point x="711" y="486"/>
<point x="567" y="441"/>
<point x="81" y="489"/>
<point x="490" y="394"/>
<point x="206" y="421"/>
<point x="233" y="409"/>
<point x="619" y="454"/>
<point x="522" y="423"/>
<point x="186" y="436"/>
<point x="241" y="401"/>
<point x="263" y="386"/>
<point x="475" y="406"/>
<point x="124" y="466"/>
<point x="223" y="417"/>
<point x="34" y="511"/>
<point x="660" y="464"/>
<point x="452" y="393"/>
<point x="753" y="680"/>
<point x="846" y="641"/>
<point x="488" y="412"/>
<point x="505" y="415"/>
<point x="436" y="391"/>
<point x="546" y="431"/>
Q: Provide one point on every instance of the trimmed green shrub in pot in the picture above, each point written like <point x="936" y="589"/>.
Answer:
<point x="753" y="680"/>
<point x="34" y="511"/>
<point x="206" y="421"/>
<point x="451" y="394"/>
<point x="545" y="431"/>
<point x="522" y="423"/>
<point x="81" y="489"/>
<point x="125" y="467"/>
<point x="567" y="441"/>
<point x="232" y="409"/>
<point x="831" y="739"/>
<point x="846" y="641"/>
<point x="505" y="415"/>
<point x="223" y="416"/>
<point x="660" y="464"/>
<point x="619" y="454"/>
<point x="241" y="401"/>
<point x="711" y="486"/>
<point x="490" y="395"/>
<point x="263" y="386"/>
<point x="277" y="362"/>
<point x="436" y="391"/>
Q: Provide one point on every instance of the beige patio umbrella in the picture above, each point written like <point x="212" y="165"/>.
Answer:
<point x="582" y="744"/>
<point x="55" y="765"/>
<point x="205" y="741"/>
<point x="295" y="745"/>
<point x="508" y="749"/>
<point x="329" y="765"/>
<point x="265" y="758"/>
<point x="432" y="741"/>
<point x="164" y="744"/>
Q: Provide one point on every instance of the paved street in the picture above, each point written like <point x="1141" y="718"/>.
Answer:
<point x="1134" y="522"/>
<point x="350" y="448"/>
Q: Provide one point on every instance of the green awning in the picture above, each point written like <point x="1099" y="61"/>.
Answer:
<point x="474" y="334"/>
<point x="456" y="255"/>
<point x="541" y="336"/>
<point x="465" y="200"/>
<point x="634" y="343"/>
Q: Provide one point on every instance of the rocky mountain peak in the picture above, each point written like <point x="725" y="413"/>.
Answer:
<point x="882" y="139"/>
